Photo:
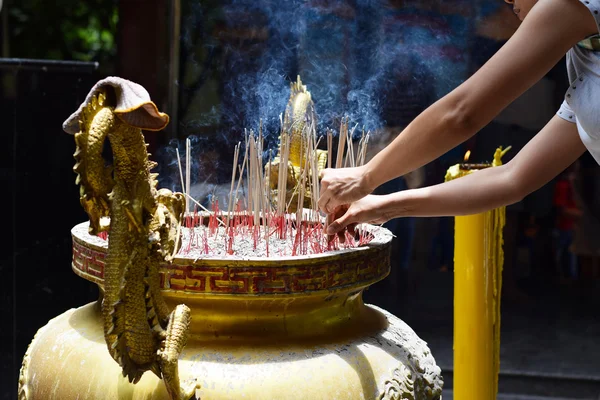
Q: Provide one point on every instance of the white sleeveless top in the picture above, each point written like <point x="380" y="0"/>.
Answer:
<point x="582" y="100"/>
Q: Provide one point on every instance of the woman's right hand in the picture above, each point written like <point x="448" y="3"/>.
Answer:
<point x="371" y="209"/>
<point x="342" y="186"/>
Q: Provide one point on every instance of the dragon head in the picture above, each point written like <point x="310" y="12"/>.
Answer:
<point x="112" y="104"/>
<point x="299" y="118"/>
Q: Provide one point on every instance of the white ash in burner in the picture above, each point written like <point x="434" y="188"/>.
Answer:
<point x="312" y="242"/>
<point x="242" y="239"/>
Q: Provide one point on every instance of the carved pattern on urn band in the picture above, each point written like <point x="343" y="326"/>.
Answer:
<point x="204" y="276"/>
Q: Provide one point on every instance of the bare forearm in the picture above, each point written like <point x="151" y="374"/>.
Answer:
<point x="546" y="155"/>
<point x="551" y="151"/>
<point x="471" y="194"/>
<point x="437" y="130"/>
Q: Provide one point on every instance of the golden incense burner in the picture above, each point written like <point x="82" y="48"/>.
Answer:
<point x="277" y="327"/>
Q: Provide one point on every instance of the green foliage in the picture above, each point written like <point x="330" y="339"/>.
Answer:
<point x="63" y="29"/>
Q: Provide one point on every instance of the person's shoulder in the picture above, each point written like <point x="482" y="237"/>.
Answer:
<point x="581" y="17"/>
<point x="589" y="8"/>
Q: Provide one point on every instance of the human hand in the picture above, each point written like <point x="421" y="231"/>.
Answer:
<point x="370" y="209"/>
<point x="342" y="186"/>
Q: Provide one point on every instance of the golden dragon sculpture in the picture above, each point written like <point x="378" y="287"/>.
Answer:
<point x="299" y="123"/>
<point x="140" y="331"/>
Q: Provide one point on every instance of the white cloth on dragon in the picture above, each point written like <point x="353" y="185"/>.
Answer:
<point x="133" y="106"/>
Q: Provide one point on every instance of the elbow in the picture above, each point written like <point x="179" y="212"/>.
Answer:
<point x="517" y="197"/>
<point x="460" y="117"/>
<point x="516" y="188"/>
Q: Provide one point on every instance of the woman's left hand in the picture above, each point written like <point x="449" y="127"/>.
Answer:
<point x="370" y="209"/>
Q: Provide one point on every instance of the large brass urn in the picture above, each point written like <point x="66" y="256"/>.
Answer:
<point x="282" y="327"/>
<point x="293" y="328"/>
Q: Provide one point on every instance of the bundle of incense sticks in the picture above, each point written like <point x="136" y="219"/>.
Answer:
<point x="254" y="212"/>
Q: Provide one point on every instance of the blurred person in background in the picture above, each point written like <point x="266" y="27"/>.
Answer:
<point x="586" y="240"/>
<point x="566" y="215"/>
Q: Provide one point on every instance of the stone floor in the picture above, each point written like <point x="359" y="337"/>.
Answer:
<point x="448" y="396"/>
<point x="563" y="345"/>
<point x="549" y="339"/>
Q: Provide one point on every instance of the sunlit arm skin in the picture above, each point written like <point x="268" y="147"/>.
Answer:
<point x="550" y="29"/>
<point x="550" y="152"/>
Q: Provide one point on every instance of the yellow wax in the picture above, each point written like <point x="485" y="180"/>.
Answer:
<point x="478" y="260"/>
<point x="474" y="367"/>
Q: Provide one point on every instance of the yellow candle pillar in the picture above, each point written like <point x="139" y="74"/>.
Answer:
<point x="478" y="260"/>
<point x="474" y="370"/>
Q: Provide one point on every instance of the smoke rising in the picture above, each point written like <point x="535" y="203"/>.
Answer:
<point x="379" y="62"/>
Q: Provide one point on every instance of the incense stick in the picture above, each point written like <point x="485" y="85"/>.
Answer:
<point x="205" y="209"/>
<point x="234" y="170"/>
<point x="341" y="143"/>
<point x="329" y="147"/>
<point x="188" y="156"/>
<point x="181" y="176"/>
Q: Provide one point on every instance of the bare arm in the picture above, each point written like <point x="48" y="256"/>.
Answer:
<point x="550" y="152"/>
<point x="550" y="29"/>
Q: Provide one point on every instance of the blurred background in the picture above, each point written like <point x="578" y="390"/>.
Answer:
<point x="218" y="67"/>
